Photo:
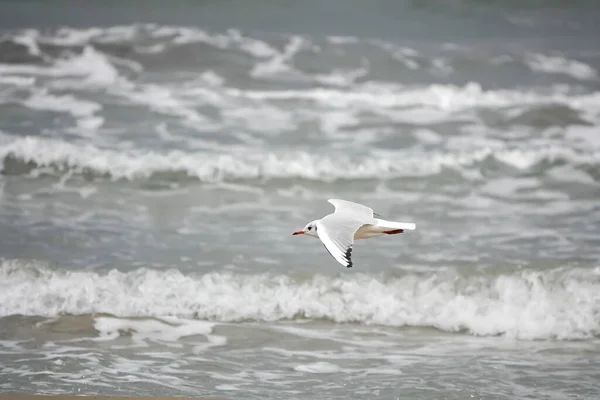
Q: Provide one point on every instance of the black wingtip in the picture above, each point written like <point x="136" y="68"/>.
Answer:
<point x="349" y="257"/>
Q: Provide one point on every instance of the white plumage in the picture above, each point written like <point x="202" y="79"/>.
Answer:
<point x="350" y="221"/>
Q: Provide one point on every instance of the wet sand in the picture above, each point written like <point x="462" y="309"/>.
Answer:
<point x="10" y="396"/>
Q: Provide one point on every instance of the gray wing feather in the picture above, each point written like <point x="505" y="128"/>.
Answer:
<point x="345" y="206"/>
<point x="336" y="231"/>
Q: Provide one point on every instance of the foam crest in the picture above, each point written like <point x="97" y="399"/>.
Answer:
<point x="94" y="67"/>
<point x="248" y="164"/>
<point x="165" y="329"/>
<point x="42" y="100"/>
<point x="320" y="367"/>
<point x="17" y="81"/>
<point x="134" y="34"/>
<point x="92" y="64"/>
<point x="443" y="97"/>
<point x="561" y="303"/>
<point x="560" y="65"/>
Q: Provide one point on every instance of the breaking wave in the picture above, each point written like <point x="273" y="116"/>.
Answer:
<point x="24" y="155"/>
<point x="560" y="303"/>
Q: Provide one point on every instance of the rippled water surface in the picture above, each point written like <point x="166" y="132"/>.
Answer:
<point x="155" y="163"/>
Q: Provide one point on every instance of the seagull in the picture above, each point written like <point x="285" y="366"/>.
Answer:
<point x="350" y="221"/>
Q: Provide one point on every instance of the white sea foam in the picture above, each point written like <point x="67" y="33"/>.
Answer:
<point x="162" y="100"/>
<point x="171" y="35"/>
<point x="92" y="69"/>
<point x="279" y="62"/>
<point x="271" y="60"/>
<point x="65" y="103"/>
<point x="560" y="65"/>
<point x="165" y="330"/>
<point x="91" y="65"/>
<point x="17" y="81"/>
<point x="320" y="367"/>
<point x="443" y="97"/>
<point x="252" y="164"/>
<point x="560" y="303"/>
<point x="244" y="114"/>
<point x="28" y="39"/>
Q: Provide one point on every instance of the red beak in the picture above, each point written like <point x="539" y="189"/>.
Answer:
<point x="298" y="233"/>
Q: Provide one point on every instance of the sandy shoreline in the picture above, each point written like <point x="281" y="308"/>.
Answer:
<point x="10" y="396"/>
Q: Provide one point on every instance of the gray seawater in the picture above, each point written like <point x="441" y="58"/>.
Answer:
<point x="156" y="159"/>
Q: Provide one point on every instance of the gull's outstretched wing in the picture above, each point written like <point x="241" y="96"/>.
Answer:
<point x="345" y="206"/>
<point x="336" y="231"/>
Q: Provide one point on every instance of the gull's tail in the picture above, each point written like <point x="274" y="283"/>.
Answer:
<point x="392" y="225"/>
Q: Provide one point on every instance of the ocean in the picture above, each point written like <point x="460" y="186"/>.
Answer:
<point x="157" y="156"/>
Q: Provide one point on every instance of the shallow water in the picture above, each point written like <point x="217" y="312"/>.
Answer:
<point x="155" y="163"/>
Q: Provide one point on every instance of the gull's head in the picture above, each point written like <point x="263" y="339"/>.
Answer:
<point x="310" y="229"/>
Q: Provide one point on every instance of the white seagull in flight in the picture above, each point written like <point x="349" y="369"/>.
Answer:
<point x="348" y="222"/>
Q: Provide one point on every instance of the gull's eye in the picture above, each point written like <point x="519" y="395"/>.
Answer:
<point x="309" y="228"/>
